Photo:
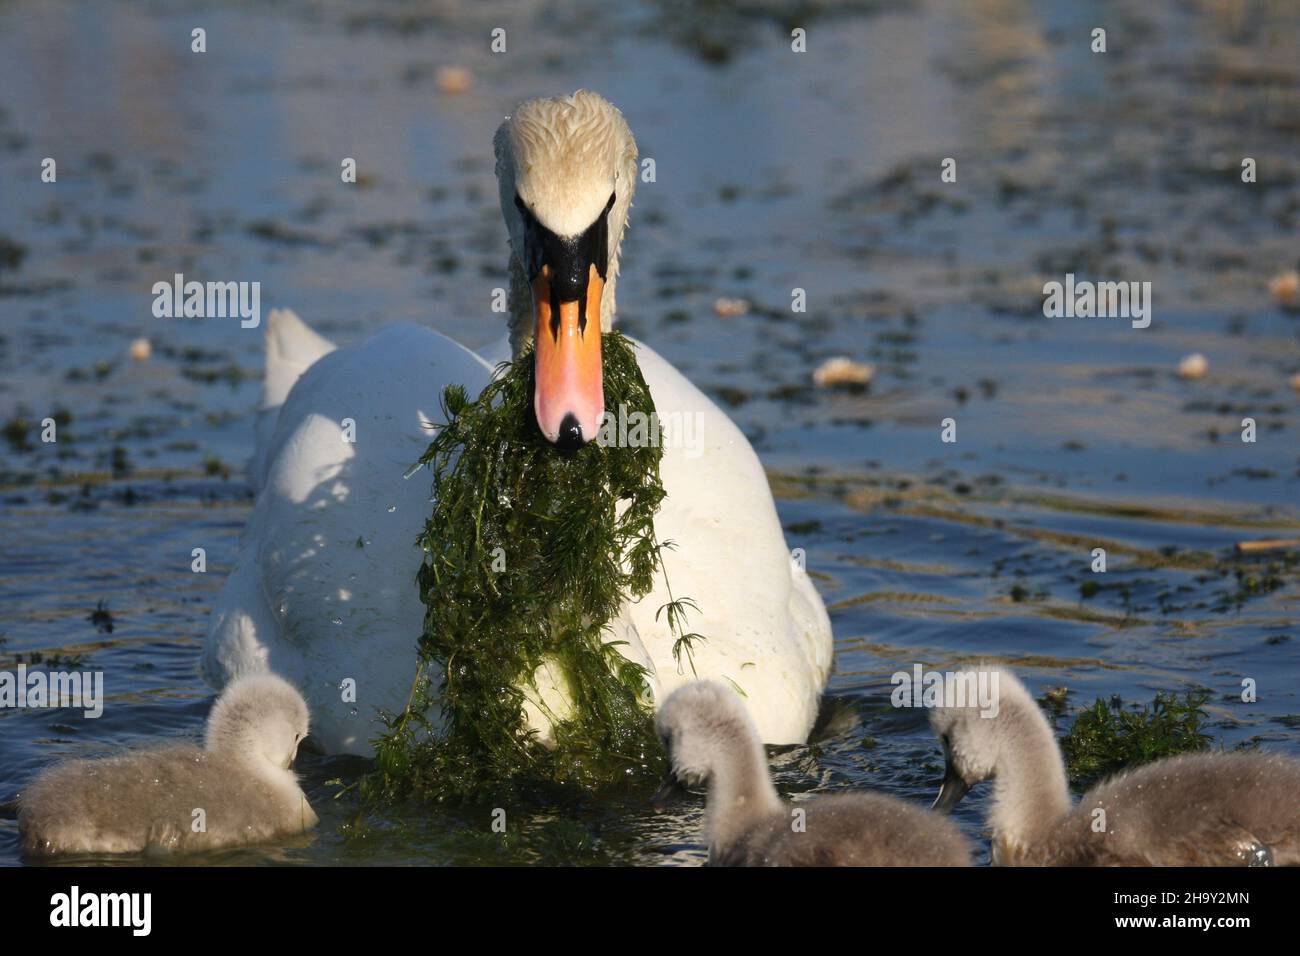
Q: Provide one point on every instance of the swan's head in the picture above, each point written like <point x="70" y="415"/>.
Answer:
<point x="702" y="725"/>
<point x="977" y="739"/>
<point x="566" y="168"/>
<point x="259" y="717"/>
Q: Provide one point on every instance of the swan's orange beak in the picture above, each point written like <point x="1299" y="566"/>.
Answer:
<point x="569" y="394"/>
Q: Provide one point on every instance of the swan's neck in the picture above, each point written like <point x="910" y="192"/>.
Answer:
<point x="1030" y="793"/>
<point x="740" y="795"/>
<point x="522" y="318"/>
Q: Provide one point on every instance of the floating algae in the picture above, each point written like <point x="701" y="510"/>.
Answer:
<point x="528" y="555"/>
<point x="1106" y="739"/>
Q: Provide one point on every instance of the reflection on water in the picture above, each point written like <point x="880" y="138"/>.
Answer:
<point x="775" y="171"/>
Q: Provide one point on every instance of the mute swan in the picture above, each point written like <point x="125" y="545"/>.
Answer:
<point x="1229" y="809"/>
<point x="710" y="737"/>
<point x="240" y="781"/>
<point x="323" y="589"/>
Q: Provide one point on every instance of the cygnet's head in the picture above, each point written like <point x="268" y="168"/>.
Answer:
<point x="977" y="738"/>
<point x="702" y="724"/>
<point x="566" y="168"/>
<point x="260" y="717"/>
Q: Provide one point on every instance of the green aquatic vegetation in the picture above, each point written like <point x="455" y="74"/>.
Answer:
<point x="1107" y="738"/>
<point x="1242" y="579"/>
<point x="1263" y="578"/>
<point x="1054" y="701"/>
<point x="214" y="466"/>
<point x="15" y="431"/>
<point x="528" y="555"/>
<point x="12" y="254"/>
<point x="102" y="618"/>
<point x="55" y="661"/>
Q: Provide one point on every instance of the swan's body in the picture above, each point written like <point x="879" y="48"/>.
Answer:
<point x="711" y="738"/>
<point x="147" y="800"/>
<point x="323" y="589"/>
<point x="1232" y="809"/>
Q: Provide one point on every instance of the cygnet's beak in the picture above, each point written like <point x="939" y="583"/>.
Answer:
<point x="952" y="789"/>
<point x="668" y="791"/>
<point x="306" y="744"/>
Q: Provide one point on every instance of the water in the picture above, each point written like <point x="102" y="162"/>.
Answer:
<point x="774" y="171"/>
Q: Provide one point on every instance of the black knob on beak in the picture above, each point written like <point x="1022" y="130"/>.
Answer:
<point x="570" y="437"/>
<point x="569" y="278"/>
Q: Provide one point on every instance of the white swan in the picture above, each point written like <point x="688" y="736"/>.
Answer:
<point x="323" y="587"/>
<point x="710" y="739"/>
<point x="1212" y="809"/>
<point x="239" y="786"/>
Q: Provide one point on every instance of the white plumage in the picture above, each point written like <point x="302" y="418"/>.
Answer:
<point x="323" y="589"/>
